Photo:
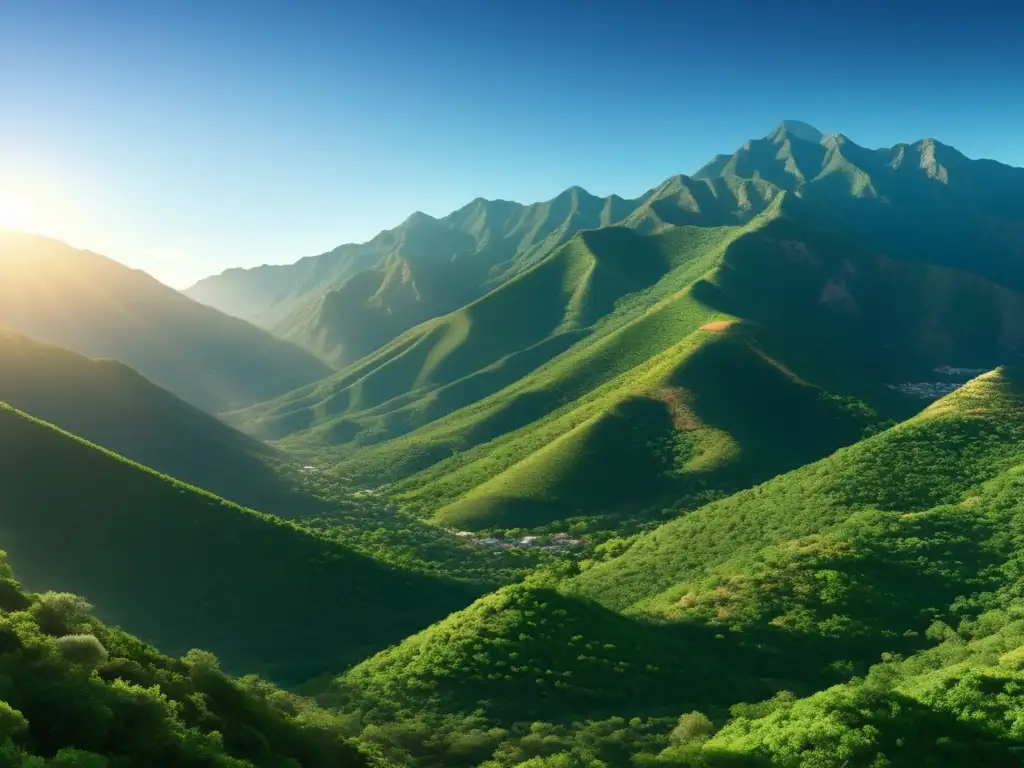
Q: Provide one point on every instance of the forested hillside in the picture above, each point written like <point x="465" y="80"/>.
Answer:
<point x="902" y="546"/>
<point x="658" y="402"/>
<point x="80" y="694"/>
<point x="182" y="568"/>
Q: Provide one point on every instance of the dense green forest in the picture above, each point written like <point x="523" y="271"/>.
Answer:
<point x="905" y="540"/>
<point x="79" y="694"/>
<point x="728" y="474"/>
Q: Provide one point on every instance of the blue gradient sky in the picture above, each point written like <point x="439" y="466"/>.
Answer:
<point x="187" y="137"/>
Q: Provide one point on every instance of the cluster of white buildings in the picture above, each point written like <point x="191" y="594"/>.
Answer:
<point x="933" y="390"/>
<point x="554" y="542"/>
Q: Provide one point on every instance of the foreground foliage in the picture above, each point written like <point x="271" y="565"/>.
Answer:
<point x="74" y="692"/>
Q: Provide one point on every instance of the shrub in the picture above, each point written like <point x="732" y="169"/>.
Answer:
<point x="692" y="728"/>
<point x="77" y="758"/>
<point x="60" y="613"/>
<point x="83" y="650"/>
<point x="12" y="722"/>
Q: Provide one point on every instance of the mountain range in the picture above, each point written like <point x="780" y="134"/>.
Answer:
<point x="892" y="199"/>
<point x="496" y="413"/>
<point x="727" y="474"/>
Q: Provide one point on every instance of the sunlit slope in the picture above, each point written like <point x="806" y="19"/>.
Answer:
<point x="182" y="568"/>
<point x="694" y="423"/>
<point x="952" y="705"/>
<point x="616" y="343"/>
<point x="347" y="303"/>
<point x="528" y="652"/>
<point x="794" y="585"/>
<point x="820" y="328"/>
<point x="933" y="459"/>
<point x="467" y="355"/>
<point x="97" y="307"/>
<point x="108" y="403"/>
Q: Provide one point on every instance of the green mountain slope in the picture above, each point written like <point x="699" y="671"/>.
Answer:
<point x="956" y="704"/>
<point x="933" y="459"/>
<point x="347" y="303"/>
<point x="180" y="567"/>
<point x="457" y="359"/>
<point x="79" y="693"/>
<point x="421" y="269"/>
<point x="769" y="349"/>
<point x="109" y="404"/>
<point x="97" y="307"/>
<point x="791" y="586"/>
<point x="923" y="201"/>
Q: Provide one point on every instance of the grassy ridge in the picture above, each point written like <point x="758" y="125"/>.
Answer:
<point x="805" y="343"/>
<point x="620" y="342"/>
<point x="347" y="303"/>
<point x="180" y="567"/>
<point x="469" y="354"/>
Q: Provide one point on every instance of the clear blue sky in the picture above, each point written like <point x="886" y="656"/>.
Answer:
<point x="186" y="137"/>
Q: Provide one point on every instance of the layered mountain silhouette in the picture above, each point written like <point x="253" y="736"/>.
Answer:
<point x="110" y="404"/>
<point x="99" y="308"/>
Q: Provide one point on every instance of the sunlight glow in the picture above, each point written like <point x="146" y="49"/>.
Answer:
<point x="16" y="211"/>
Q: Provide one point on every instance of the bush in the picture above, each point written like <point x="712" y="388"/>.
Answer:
<point x="692" y="728"/>
<point x="83" y="650"/>
<point x="78" y="758"/>
<point x="12" y="722"/>
<point x="60" y="613"/>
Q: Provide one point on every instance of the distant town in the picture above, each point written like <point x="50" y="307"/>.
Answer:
<point x="552" y="542"/>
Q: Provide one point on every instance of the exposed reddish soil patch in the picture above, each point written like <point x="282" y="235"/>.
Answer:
<point x="717" y="326"/>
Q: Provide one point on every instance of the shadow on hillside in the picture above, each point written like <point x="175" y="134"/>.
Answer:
<point x="182" y="569"/>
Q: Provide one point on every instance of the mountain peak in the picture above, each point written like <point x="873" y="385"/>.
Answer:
<point x="419" y="218"/>
<point x="572" y="193"/>
<point x="797" y="128"/>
